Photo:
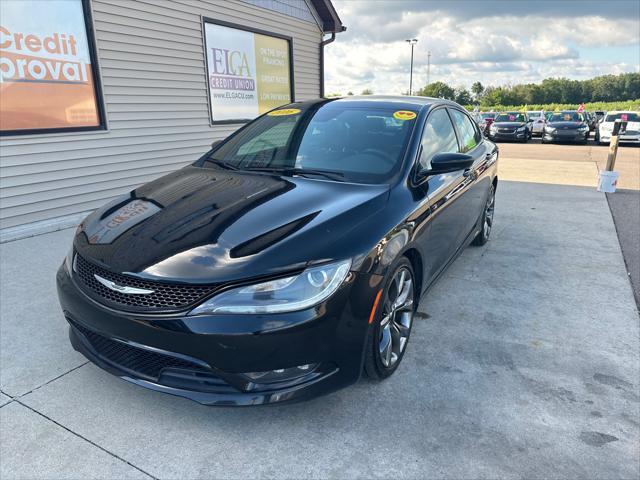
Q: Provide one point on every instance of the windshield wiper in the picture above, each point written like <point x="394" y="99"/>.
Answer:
<point x="331" y="175"/>
<point x="223" y="164"/>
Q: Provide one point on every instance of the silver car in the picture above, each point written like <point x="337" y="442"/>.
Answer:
<point x="538" y="121"/>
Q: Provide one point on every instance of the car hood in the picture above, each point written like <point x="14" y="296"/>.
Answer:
<point x="509" y="124"/>
<point x="209" y="226"/>
<point x="566" y="125"/>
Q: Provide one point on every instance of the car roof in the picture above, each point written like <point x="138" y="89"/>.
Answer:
<point x="393" y="101"/>
<point x="616" y="112"/>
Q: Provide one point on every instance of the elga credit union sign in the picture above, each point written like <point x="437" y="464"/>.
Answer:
<point x="46" y="79"/>
<point x="249" y="73"/>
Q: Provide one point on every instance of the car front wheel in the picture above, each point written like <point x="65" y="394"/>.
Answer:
<point x="389" y="333"/>
<point x="487" y="219"/>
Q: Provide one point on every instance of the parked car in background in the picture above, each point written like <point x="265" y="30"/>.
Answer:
<point x="484" y="120"/>
<point x="630" y="135"/>
<point x="514" y="126"/>
<point x="600" y="114"/>
<point x="537" y="121"/>
<point x="287" y="260"/>
<point x="488" y="117"/>
<point x="566" y="126"/>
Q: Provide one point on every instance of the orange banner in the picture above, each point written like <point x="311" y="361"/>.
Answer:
<point x="46" y="78"/>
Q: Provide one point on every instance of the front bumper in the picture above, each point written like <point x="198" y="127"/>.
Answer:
<point x="565" y="136"/>
<point x="513" y="136"/>
<point x="204" y="358"/>
<point x="606" y="138"/>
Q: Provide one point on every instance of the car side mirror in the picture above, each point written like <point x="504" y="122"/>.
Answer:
<point x="215" y="144"/>
<point x="449" y="162"/>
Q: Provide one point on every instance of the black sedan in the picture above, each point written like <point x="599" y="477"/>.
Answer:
<point x="567" y="126"/>
<point x="514" y="126"/>
<point x="288" y="259"/>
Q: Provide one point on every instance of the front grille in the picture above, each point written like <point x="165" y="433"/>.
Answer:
<point x="506" y="130"/>
<point x="141" y="362"/>
<point x="165" y="296"/>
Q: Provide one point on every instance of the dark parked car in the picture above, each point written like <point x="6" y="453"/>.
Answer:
<point x="515" y="126"/>
<point x="288" y="259"/>
<point x="566" y="126"/>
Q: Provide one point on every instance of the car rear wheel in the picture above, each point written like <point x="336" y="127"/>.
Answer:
<point x="388" y="336"/>
<point x="487" y="219"/>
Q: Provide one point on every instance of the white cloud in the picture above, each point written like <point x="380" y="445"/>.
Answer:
<point x="495" y="49"/>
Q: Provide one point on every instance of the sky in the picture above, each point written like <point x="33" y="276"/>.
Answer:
<point x="496" y="42"/>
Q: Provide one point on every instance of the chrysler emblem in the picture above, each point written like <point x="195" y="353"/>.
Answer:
<point x="122" y="288"/>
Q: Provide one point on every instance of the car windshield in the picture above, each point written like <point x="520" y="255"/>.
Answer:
<point x="630" y="117"/>
<point x="511" y="117"/>
<point x="566" y="117"/>
<point x="355" y="143"/>
<point x="488" y="115"/>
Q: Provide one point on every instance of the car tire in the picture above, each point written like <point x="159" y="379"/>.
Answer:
<point x="487" y="219"/>
<point x="390" y="330"/>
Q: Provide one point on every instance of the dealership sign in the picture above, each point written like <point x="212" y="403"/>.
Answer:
<point x="46" y="79"/>
<point x="248" y="73"/>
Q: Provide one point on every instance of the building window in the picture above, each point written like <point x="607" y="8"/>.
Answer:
<point x="248" y="71"/>
<point x="48" y="79"/>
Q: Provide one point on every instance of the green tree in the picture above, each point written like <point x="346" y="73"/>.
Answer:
<point x="437" y="90"/>
<point x="350" y="93"/>
<point x="367" y="91"/>
<point x="477" y="89"/>
<point x="462" y="96"/>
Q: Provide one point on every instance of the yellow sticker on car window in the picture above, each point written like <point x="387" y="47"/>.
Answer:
<point x="283" y="112"/>
<point x="404" y="115"/>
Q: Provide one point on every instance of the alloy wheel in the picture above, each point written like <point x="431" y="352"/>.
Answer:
<point x="488" y="213"/>
<point x="397" y="316"/>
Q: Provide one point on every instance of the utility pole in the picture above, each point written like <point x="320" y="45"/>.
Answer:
<point x="412" y="42"/>
<point x="428" y="67"/>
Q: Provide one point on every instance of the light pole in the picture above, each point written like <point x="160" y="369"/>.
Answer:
<point x="412" y="42"/>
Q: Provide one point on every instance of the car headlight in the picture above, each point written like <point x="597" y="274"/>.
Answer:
<point x="606" y="128"/>
<point x="493" y="128"/>
<point x="549" y="129"/>
<point x="522" y="128"/>
<point x="583" y="129"/>
<point x="297" y="292"/>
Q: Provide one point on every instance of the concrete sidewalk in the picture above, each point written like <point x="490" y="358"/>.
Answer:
<point x="524" y="363"/>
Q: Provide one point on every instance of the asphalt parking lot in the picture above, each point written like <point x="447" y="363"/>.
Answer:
<point x="524" y="362"/>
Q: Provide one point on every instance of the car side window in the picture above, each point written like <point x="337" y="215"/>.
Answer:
<point x="469" y="140"/>
<point x="438" y="137"/>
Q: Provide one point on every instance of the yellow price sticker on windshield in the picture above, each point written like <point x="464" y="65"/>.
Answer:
<point x="404" y="115"/>
<point x="283" y="112"/>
